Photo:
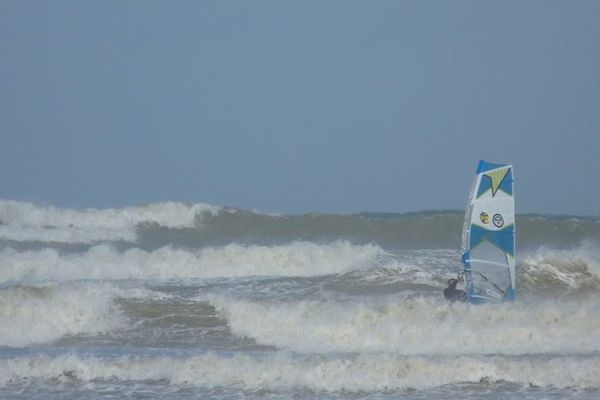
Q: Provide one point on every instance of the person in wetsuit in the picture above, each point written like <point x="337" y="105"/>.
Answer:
<point x="452" y="294"/>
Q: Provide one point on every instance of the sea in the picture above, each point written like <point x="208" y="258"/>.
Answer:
<point x="194" y="301"/>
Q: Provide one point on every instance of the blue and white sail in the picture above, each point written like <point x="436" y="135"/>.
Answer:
<point x="488" y="239"/>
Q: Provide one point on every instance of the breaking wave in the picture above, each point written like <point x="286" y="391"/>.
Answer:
<point x="35" y="315"/>
<point x="194" y="225"/>
<point x="358" y="373"/>
<point x="561" y="273"/>
<point x="419" y="326"/>
<point x="20" y="221"/>
<point x="233" y="260"/>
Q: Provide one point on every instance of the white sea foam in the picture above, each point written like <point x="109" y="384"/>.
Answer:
<point x="104" y="262"/>
<point x="21" y="221"/>
<point x="283" y="371"/>
<point x="418" y="326"/>
<point x="43" y="314"/>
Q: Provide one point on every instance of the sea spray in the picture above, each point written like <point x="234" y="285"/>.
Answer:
<point x="42" y="314"/>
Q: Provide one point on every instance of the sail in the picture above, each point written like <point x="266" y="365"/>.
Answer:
<point x="488" y="239"/>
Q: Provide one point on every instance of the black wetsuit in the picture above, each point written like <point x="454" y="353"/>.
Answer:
<point x="452" y="294"/>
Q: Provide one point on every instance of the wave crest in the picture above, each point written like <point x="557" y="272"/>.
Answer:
<point x="419" y="326"/>
<point x="233" y="260"/>
<point x="21" y="221"/>
<point x="561" y="273"/>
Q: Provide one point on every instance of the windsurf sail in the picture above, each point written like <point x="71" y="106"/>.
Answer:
<point x="488" y="238"/>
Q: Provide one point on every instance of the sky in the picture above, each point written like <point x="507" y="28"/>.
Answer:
<point x="299" y="106"/>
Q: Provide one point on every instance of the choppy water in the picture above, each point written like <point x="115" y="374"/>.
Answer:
<point x="177" y="301"/>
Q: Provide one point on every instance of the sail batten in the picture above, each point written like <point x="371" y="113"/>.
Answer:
<point x="488" y="239"/>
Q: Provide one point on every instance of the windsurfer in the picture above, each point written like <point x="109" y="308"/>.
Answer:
<point x="452" y="294"/>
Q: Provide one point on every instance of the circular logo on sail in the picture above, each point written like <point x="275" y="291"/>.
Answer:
<point x="498" y="220"/>
<point x="484" y="217"/>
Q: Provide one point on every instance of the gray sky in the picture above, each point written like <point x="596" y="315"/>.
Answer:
<point x="290" y="106"/>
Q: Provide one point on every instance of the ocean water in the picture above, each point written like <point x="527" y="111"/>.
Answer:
<point x="193" y="301"/>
